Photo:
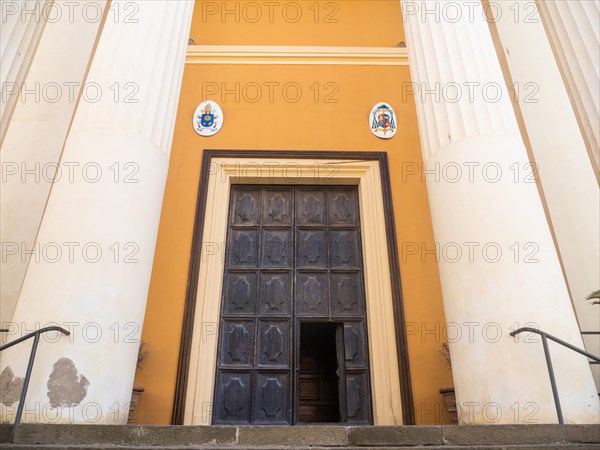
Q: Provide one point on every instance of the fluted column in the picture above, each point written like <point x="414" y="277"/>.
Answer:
<point x="22" y="26"/>
<point x="507" y="274"/>
<point x="105" y="220"/>
<point x="551" y="126"/>
<point x="573" y="28"/>
<point x="43" y="111"/>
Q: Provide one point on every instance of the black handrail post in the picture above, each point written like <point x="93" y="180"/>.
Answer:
<point x="545" y="336"/>
<point x="552" y="380"/>
<point x="559" y="413"/>
<point x="36" y="340"/>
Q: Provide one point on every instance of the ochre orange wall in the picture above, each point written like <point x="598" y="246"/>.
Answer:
<point x="367" y="23"/>
<point x="308" y="124"/>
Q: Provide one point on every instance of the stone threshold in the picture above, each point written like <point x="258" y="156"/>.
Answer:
<point x="302" y="437"/>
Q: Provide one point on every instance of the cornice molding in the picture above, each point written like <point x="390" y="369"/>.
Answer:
<point x="296" y="55"/>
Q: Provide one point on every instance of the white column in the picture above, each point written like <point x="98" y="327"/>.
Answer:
<point x="508" y="274"/>
<point x="573" y="28"/>
<point x="107" y="219"/>
<point x="44" y="105"/>
<point x="22" y="24"/>
<point x="560" y="154"/>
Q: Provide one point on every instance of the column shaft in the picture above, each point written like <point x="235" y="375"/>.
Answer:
<point x="550" y="126"/>
<point x="106" y="219"/>
<point x="484" y="203"/>
<point x="44" y="107"/>
<point x="573" y="28"/>
<point x="22" y="26"/>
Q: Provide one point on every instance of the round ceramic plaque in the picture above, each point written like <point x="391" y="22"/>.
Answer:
<point x="382" y="121"/>
<point x="208" y="118"/>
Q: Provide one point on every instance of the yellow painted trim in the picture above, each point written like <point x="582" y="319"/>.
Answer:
<point x="293" y="55"/>
<point x="385" y="382"/>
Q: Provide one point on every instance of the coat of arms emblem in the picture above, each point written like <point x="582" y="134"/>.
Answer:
<point x="383" y="121"/>
<point x="208" y="118"/>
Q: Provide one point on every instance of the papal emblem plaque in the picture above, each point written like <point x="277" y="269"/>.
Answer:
<point x="208" y="118"/>
<point x="383" y="121"/>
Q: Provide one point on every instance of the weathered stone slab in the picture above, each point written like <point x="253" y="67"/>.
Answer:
<point x="76" y="434"/>
<point x="300" y="435"/>
<point x="125" y="434"/>
<point x="395" y="435"/>
<point x="502" y="434"/>
<point x="585" y="434"/>
<point x="466" y="437"/>
<point x="187" y="435"/>
<point x="5" y="430"/>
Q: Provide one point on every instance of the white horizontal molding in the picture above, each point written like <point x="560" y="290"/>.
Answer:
<point x="296" y="55"/>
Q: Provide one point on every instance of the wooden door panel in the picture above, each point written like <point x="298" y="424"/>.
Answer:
<point x="311" y="248"/>
<point x="357" y="392"/>
<point x="232" y="398"/>
<point x="344" y="248"/>
<point x="310" y="209"/>
<point x="277" y="208"/>
<point x="245" y="207"/>
<point x="240" y="293"/>
<point x="347" y="295"/>
<point x="276" y="248"/>
<point x="275" y="294"/>
<point x="309" y="388"/>
<point x="271" y="398"/>
<point x="242" y="249"/>
<point x="273" y="344"/>
<point x="237" y="343"/>
<point x="341" y="372"/>
<point x="312" y="294"/>
<point x="342" y="206"/>
<point x="355" y="345"/>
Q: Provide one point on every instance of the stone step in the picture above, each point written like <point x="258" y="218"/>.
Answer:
<point x="296" y="447"/>
<point x="492" y="437"/>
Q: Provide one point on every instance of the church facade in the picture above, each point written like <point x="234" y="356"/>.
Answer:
<point x="302" y="212"/>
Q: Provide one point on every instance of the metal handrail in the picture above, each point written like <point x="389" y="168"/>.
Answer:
<point x="545" y="337"/>
<point x="592" y="333"/>
<point x="36" y="339"/>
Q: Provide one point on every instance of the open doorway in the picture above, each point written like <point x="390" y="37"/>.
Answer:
<point x="319" y="377"/>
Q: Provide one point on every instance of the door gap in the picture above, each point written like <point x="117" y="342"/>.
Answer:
<point x="318" y="383"/>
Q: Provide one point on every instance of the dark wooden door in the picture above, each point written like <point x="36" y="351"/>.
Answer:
<point x="293" y="257"/>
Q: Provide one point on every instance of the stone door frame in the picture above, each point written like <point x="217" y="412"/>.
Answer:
<point x="390" y="382"/>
